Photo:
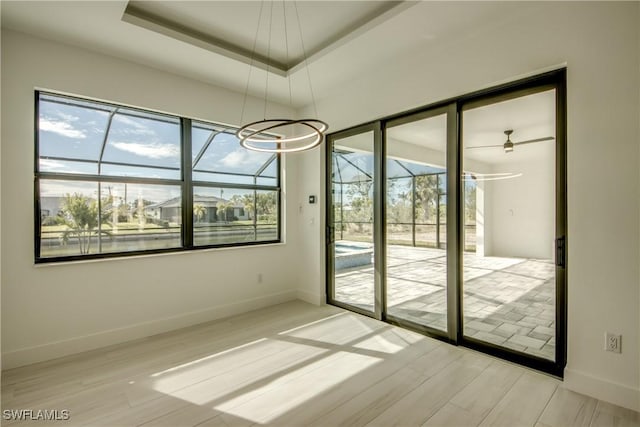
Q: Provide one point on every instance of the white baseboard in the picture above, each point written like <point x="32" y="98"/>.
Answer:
<point x="618" y="394"/>
<point x="53" y="350"/>
<point x="311" y="297"/>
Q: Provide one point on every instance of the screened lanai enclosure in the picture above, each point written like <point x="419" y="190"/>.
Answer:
<point x="114" y="179"/>
<point x="416" y="201"/>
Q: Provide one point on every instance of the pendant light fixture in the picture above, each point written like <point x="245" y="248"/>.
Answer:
<point x="277" y="135"/>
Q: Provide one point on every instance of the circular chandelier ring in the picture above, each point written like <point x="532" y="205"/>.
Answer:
<point x="245" y="134"/>
<point x="248" y="142"/>
<point x="312" y="144"/>
<point x="252" y="145"/>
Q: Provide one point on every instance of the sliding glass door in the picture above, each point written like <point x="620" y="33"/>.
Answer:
<point x="416" y="220"/>
<point x="509" y="212"/>
<point x="350" y="225"/>
<point x="451" y="220"/>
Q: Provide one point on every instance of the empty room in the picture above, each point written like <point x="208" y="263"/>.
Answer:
<point x="320" y="213"/>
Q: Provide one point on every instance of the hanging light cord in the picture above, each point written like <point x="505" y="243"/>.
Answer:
<point x="254" y="136"/>
<point x="266" y="85"/>
<point x="304" y="55"/>
<point x="253" y="55"/>
<point x="286" y="44"/>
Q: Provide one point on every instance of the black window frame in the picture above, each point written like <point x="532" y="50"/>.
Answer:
<point x="185" y="182"/>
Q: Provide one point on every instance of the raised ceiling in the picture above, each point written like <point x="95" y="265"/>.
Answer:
<point x="277" y="36"/>
<point x="345" y="38"/>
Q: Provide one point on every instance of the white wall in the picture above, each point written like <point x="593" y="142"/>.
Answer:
<point x="0" y="212"/>
<point x="52" y="310"/>
<point x="599" y="44"/>
<point x="520" y="221"/>
<point x="311" y="231"/>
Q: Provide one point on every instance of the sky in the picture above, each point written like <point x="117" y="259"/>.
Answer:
<point x="78" y="132"/>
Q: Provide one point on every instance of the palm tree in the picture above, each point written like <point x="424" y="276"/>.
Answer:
<point x="199" y="211"/>
<point x="222" y="207"/>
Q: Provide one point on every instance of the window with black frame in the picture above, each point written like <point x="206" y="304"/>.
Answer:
<point x="111" y="180"/>
<point x="235" y="190"/>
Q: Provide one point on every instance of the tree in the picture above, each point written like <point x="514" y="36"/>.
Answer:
<point x="80" y="215"/>
<point x="470" y="201"/>
<point x="222" y="207"/>
<point x="199" y="211"/>
<point x="360" y="200"/>
<point x="399" y="203"/>
<point x="426" y="196"/>
<point x="265" y="205"/>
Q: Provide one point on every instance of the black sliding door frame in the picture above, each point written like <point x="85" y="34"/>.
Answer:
<point x="452" y="242"/>
<point x="455" y="215"/>
<point x="555" y="80"/>
<point x="378" y="188"/>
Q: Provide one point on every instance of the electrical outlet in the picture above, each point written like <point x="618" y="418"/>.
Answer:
<point x="612" y="342"/>
<point x="259" y="277"/>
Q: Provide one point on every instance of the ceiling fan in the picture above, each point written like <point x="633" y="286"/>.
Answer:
<point x="509" y="145"/>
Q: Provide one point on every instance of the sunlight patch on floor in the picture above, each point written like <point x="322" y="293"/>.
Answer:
<point x="207" y="382"/>
<point x="204" y="359"/>
<point x="270" y="401"/>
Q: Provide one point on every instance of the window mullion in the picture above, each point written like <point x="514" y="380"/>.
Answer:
<point x="187" y="184"/>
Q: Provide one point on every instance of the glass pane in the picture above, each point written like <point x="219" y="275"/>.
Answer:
<point x="352" y="189"/>
<point x="273" y="182"/>
<point x="416" y="222"/>
<point x="400" y="211"/>
<point x="227" y="215"/>
<point x="126" y="217"/>
<point x="353" y="166"/>
<point x="68" y="166"/>
<point x="509" y="223"/>
<point x="77" y="136"/>
<point x="220" y="152"/>
<point x="143" y="140"/>
<point x="69" y="130"/>
<point x="138" y="171"/>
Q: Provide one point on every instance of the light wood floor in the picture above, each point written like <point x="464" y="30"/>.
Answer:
<point x="299" y="365"/>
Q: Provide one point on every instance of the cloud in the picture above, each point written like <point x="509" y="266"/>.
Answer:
<point x="68" y="117"/>
<point x="51" y="165"/>
<point x="61" y="128"/>
<point x="57" y="188"/>
<point x="240" y="157"/>
<point x="134" y="127"/>
<point x="153" y="151"/>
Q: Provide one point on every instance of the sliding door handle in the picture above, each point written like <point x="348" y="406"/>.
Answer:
<point x="561" y="252"/>
<point x="330" y="234"/>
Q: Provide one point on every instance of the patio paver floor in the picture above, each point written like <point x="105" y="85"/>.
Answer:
<point x="507" y="301"/>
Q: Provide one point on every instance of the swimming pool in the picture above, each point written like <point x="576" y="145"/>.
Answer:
<point x="352" y="254"/>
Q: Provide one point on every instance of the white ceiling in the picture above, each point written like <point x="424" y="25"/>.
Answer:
<point x="348" y="37"/>
<point x="530" y="117"/>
